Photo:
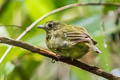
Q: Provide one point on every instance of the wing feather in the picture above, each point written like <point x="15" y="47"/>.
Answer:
<point x="77" y="34"/>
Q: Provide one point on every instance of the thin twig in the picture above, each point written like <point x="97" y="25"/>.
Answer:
<point x="92" y="69"/>
<point x="55" y="11"/>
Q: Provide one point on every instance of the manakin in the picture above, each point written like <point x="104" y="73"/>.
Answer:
<point x="68" y="40"/>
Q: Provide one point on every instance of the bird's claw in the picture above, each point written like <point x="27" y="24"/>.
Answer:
<point x="53" y="60"/>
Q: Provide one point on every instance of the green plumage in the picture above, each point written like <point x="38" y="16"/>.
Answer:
<point x="68" y="40"/>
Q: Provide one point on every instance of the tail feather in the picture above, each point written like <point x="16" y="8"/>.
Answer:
<point x="97" y="50"/>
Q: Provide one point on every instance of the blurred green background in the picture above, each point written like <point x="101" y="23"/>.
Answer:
<point x="102" y="22"/>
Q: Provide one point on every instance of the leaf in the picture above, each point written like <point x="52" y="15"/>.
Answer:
<point x="92" y="24"/>
<point x="3" y="32"/>
<point x="116" y="72"/>
<point x="80" y="74"/>
<point x="8" y="15"/>
<point x="104" y="59"/>
<point x="39" y="8"/>
<point x="106" y="8"/>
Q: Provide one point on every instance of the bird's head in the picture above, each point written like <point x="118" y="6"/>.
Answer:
<point x="51" y="26"/>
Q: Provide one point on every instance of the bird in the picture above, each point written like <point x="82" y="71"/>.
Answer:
<point x="68" y="40"/>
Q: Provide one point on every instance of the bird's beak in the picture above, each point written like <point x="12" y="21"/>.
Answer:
<point x="41" y="26"/>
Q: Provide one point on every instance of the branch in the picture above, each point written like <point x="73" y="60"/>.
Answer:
<point x="53" y="12"/>
<point x="92" y="69"/>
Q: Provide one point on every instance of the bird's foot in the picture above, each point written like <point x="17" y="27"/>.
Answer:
<point x="53" y="60"/>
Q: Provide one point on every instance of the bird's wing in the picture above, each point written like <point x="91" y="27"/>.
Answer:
<point x="78" y="34"/>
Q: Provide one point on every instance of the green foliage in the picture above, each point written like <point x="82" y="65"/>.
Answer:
<point x="38" y="8"/>
<point x="21" y="64"/>
<point x="81" y="74"/>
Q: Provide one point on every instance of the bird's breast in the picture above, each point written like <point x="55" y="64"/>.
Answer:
<point x="53" y="41"/>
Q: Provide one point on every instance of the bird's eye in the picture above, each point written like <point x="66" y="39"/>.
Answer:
<point x="50" y="25"/>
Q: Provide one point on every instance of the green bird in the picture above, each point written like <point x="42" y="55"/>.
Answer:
<point x="68" y="40"/>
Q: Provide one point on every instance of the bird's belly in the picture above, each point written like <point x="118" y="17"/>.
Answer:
<point x="75" y="52"/>
<point x="61" y="47"/>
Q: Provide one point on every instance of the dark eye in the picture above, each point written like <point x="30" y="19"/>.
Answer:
<point x="50" y="25"/>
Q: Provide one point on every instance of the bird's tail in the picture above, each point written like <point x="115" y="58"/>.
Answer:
<point x="96" y="50"/>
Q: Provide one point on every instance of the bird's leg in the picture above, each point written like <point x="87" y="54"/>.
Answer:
<point x="58" y="57"/>
<point x="72" y="59"/>
<point x="53" y="60"/>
